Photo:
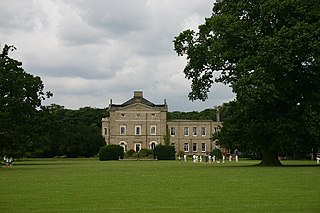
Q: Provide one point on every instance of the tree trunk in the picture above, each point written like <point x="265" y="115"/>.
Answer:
<point x="270" y="158"/>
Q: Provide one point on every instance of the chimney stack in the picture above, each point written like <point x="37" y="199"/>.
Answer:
<point x="137" y="94"/>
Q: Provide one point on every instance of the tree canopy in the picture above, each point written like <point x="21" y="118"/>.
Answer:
<point x="268" y="52"/>
<point x="20" y="94"/>
<point x="65" y="132"/>
<point x="207" y="114"/>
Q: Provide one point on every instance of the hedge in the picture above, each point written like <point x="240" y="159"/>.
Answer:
<point x="164" y="152"/>
<point x="111" y="152"/>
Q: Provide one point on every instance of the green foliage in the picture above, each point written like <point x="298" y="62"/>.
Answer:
<point x="217" y="153"/>
<point x="111" y="152"/>
<point x="164" y="152"/>
<point x="167" y="138"/>
<point x="269" y="53"/>
<point x="20" y="94"/>
<point x="207" y="114"/>
<point x="130" y="153"/>
<point x="67" y="132"/>
<point x="87" y="115"/>
<point x="144" y="152"/>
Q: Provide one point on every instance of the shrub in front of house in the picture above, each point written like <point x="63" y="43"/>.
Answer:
<point x="144" y="153"/>
<point x="164" y="152"/>
<point x="217" y="153"/>
<point x="130" y="153"/>
<point x="111" y="152"/>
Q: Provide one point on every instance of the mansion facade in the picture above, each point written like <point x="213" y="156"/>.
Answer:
<point x="139" y="123"/>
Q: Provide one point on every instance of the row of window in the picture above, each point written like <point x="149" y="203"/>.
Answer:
<point x="137" y="130"/>
<point x="195" y="147"/>
<point x="186" y="131"/>
<point x="152" y="115"/>
<point x="137" y="146"/>
<point x="153" y="130"/>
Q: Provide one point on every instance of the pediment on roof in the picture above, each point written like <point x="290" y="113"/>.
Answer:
<point x="137" y="107"/>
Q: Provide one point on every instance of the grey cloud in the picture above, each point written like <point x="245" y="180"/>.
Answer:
<point x="118" y="18"/>
<point x="69" y="71"/>
<point x="18" y="15"/>
<point x="73" y="34"/>
<point x="90" y="51"/>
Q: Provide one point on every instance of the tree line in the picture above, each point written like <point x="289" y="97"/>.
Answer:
<point x="207" y="114"/>
<point x="28" y="129"/>
<point x="64" y="132"/>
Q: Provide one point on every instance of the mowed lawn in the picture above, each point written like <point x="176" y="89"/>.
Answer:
<point x="89" y="185"/>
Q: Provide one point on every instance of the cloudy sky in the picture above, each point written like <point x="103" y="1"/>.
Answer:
<point x="89" y="51"/>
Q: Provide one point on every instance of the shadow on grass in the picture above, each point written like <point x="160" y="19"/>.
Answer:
<point x="282" y="166"/>
<point x="257" y="165"/>
<point x="41" y="164"/>
<point x="302" y="165"/>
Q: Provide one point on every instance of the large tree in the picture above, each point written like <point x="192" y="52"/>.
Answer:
<point x="20" y="94"/>
<point x="268" y="51"/>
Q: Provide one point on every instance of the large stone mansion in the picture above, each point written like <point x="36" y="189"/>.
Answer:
<point x="139" y="123"/>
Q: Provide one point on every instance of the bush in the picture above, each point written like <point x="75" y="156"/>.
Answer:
<point x="111" y="152"/>
<point x="130" y="153"/>
<point x="145" y="153"/>
<point x="217" y="153"/>
<point x="164" y="152"/>
<point x="135" y="155"/>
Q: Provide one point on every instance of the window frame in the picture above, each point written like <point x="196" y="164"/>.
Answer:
<point x="194" y="145"/>
<point x="186" y="147"/>
<point x="186" y="131"/>
<point x="155" y="129"/>
<point x="194" y="131"/>
<point x="203" y="130"/>
<point x="136" y="127"/>
<point x="205" y="147"/>
<point x="124" y="129"/>
<point x="174" y="131"/>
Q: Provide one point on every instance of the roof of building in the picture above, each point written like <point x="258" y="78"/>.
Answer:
<point x="138" y="98"/>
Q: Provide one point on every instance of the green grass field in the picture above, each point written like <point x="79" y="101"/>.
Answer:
<point x="89" y="185"/>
